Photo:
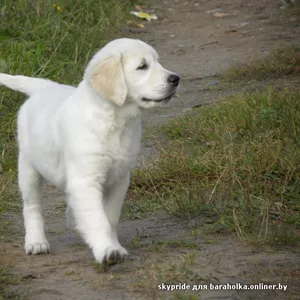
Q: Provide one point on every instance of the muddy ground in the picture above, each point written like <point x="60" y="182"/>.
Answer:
<point x="198" y="46"/>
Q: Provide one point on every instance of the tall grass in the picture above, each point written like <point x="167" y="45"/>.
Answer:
<point x="238" y="160"/>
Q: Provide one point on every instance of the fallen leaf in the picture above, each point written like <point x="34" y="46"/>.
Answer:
<point x="222" y="15"/>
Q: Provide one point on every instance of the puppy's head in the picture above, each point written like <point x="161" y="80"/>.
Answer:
<point x="128" y="70"/>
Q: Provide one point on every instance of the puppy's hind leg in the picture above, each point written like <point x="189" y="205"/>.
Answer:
<point x="30" y="183"/>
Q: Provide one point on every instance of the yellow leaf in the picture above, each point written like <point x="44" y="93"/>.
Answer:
<point x="143" y="15"/>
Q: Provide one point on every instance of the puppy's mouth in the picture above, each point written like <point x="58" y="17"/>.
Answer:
<point x="167" y="98"/>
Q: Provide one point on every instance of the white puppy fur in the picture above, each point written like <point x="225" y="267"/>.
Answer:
<point x="85" y="140"/>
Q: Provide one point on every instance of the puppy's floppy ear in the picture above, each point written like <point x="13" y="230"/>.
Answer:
<point x="107" y="78"/>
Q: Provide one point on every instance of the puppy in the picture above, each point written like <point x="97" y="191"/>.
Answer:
<point x="86" y="139"/>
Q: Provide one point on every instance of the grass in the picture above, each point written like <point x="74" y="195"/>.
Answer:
<point x="7" y="277"/>
<point x="279" y="63"/>
<point x="51" y="39"/>
<point x="237" y="160"/>
<point x="167" y="268"/>
<point x="292" y="9"/>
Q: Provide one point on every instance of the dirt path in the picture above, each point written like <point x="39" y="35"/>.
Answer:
<point x="198" y="46"/>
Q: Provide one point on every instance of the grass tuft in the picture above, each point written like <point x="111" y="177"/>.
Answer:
<point x="279" y="63"/>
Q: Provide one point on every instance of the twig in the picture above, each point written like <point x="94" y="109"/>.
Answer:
<point x="215" y="187"/>
<point x="209" y="43"/>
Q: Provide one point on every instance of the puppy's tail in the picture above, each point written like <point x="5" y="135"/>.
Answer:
<point x="26" y="85"/>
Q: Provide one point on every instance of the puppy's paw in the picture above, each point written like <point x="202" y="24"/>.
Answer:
<point x="37" y="248"/>
<point x="110" y="255"/>
<point x="35" y="244"/>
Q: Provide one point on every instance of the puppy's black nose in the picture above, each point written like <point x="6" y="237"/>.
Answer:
<point x="173" y="79"/>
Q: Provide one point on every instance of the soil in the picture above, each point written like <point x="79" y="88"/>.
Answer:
<point x="198" y="46"/>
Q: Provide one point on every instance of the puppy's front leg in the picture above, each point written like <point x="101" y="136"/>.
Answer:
<point x="85" y="197"/>
<point x="114" y="197"/>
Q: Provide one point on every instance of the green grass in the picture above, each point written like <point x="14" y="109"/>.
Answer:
<point x="292" y="9"/>
<point x="279" y="63"/>
<point x="38" y="39"/>
<point x="6" y="279"/>
<point x="237" y="160"/>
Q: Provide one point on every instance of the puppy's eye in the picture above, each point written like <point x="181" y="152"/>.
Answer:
<point x="142" y="66"/>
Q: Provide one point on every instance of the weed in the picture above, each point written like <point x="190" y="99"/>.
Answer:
<point x="101" y="268"/>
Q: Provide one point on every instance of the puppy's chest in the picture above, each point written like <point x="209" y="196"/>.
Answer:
<point x="123" y="148"/>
